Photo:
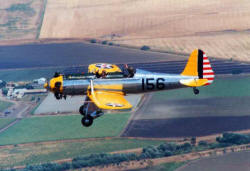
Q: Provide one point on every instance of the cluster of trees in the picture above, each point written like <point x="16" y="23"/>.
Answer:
<point x="2" y="84"/>
<point x="102" y="159"/>
<point x="104" y="42"/>
<point x="165" y="150"/>
<point x="150" y="152"/>
<point x="233" y="139"/>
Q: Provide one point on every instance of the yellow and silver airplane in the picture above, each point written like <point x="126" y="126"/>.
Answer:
<point x="105" y="85"/>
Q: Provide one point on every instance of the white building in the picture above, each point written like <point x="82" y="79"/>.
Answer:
<point x="19" y="93"/>
<point x="40" y="80"/>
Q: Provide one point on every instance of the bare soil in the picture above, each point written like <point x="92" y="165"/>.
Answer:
<point x="20" y="19"/>
<point x="221" y="28"/>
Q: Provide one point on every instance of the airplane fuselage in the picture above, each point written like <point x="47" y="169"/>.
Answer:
<point x="142" y="82"/>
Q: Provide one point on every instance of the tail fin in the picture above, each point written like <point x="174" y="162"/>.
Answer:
<point x="199" y="66"/>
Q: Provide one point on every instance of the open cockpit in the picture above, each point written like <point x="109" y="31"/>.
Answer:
<point x="103" y="71"/>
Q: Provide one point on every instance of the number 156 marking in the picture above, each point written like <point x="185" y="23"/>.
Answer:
<point x="151" y="83"/>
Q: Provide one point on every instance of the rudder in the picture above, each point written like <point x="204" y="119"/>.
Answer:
<point x="198" y="65"/>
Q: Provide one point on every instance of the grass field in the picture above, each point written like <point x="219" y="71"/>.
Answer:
<point x="235" y="86"/>
<point x="39" y="153"/>
<point x="27" y="74"/>
<point x="4" y="105"/>
<point x="5" y="121"/>
<point x="36" y="129"/>
<point x="227" y="96"/>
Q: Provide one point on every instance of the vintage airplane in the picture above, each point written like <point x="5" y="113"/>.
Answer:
<point x="105" y="85"/>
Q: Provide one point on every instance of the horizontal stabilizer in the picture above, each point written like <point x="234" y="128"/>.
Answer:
<point x="194" y="82"/>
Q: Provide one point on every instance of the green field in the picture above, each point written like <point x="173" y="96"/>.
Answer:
<point x="36" y="129"/>
<point x="4" y="105"/>
<point x="5" y="121"/>
<point x="40" y="153"/>
<point x="27" y="74"/>
<point x="235" y="86"/>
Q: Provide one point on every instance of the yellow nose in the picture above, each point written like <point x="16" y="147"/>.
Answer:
<point x="46" y="85"/>
<point x="52" y="84"/>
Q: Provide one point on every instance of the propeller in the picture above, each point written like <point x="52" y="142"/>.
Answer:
<point x="57" y="93"/>
<point x="57" y="74"/>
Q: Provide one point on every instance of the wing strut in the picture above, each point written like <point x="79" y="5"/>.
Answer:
<point x="92" y="87"/>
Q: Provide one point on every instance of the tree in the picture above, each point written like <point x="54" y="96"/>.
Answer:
<point x="93" y="41"/>
<point x="104" y="42"/>
<point x="232" y="138"/>
<point x="5" y="91"/>
<point x="202" y="143"/>
<point x="145" y="47"/>
<point x="193" y="141"/>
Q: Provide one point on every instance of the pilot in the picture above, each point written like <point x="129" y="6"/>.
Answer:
<point x="97" y="74"/>
<point x="104" y="74"/>
<point x="129" y="71"/>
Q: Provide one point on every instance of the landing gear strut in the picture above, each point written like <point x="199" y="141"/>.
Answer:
<point x="89" y="111"/>
<point x="196" y="91"/>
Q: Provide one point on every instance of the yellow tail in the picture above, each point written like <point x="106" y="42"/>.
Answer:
<point x="198" y="66"/>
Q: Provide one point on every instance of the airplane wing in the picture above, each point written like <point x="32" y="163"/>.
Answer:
<point x="112" y="99"/>
<point x="109" y="100"/>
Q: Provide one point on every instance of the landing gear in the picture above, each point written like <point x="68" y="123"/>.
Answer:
<point x="82" y="110"/>
<point x="196" y="91"/>
<point x="87" y="121"/>
<point x="89" y="111"/>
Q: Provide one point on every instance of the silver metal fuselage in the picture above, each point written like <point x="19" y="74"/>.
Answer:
<point x="142" y="82"/>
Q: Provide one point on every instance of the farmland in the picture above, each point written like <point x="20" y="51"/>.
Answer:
<point x="222" y="106"/>
<point x="5" y="121"/>
<point x="4" y="105"/>
<point x="46" y="152"/>
<point x="219" y="27"/>
<point x="230" y="162"/>
<point x="21" y="19"/>
<point x="27" y="74"/>
<point x="36" y="129"/>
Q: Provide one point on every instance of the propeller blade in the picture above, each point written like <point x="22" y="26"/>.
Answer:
<point x="57" y="74"/>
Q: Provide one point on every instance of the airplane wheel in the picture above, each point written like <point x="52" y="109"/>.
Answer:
<point x="196" y="91"/>
<point x="87" y="121"/>
<point x="81" y="110"/>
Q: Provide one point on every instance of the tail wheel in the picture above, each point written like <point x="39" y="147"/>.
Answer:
<point x="87" y="121"/>
<point x="196" y="91"/>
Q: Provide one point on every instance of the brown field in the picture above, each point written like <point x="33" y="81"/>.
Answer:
<point x="221" y="28"/>
<point x="20" y="19"/>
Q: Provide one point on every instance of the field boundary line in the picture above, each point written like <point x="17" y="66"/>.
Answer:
<point x="144" y="98"/>
<point x="40" y="18"/>
<point x="9" y="125"/>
